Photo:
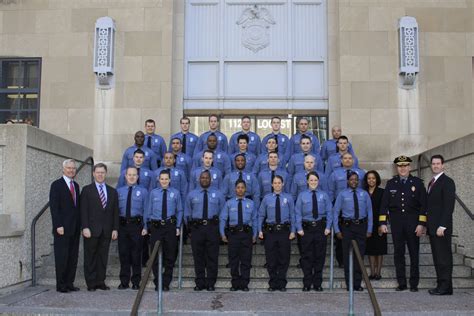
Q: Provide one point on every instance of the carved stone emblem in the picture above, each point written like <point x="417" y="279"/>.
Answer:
<point x="255" y="22"/>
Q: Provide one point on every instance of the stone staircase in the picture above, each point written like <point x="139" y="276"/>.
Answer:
<point x="462" y="274"/>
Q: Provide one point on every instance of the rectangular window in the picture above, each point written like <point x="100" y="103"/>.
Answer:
<point x="20" y="90"/>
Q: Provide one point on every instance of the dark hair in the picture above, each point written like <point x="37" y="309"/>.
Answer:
<point x="169" y="152"/>
<point x="243" y="136"/>
<point x="350" y="173"/>
<point x="303" y="118"/>
<point x="207" y="151"/>
<point x="343" y="137"/>
<point x="150" y="121"/>
<point x="245" y="117"/>
<point x="211" y="135"/>
<point x="273" y="152"/>
<point x="165" y="171"/>
<point x="277" y="176"/>
<point x="437" y="157"/>
<point x="131" y="167"/>
<point x="184" y="118"/>
<point x="378" y="180"/>
<point x="100" y="165"/>
<point x="306" y="137"/>
<point x="213" y="115"/>
<point x="239" y="181"/>
<point x="176" y="137"/>
<point x="139" y="151"/>
<point x="275" y="117"/>
<point x="205" y="171"/>
<point x="312" y="173"/>
<point x="240" y="155"/>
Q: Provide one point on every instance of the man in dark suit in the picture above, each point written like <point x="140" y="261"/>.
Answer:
<point x="441" y="193"/>
<point x="64" y="207"/>
<point x="100" y="222"/>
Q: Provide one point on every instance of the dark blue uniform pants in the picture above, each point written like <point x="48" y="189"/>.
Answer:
<point x="357" y="232"/>
<point x="277" y="253"/>
<point x="166" y="234"/>
<point x="313" y="255"/>
<point x="240" y="258"/>
<point x="205" y="245"/>
<point x="130" y="253"/>
<point x="403" y="233"/>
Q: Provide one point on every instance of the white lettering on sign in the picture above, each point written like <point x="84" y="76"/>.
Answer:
<point x="268" y="124"/>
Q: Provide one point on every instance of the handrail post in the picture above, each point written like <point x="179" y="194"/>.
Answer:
<point x="180" y="258"/>
<point x="33" y="254"/>
<point x="351" y="281"/>
<point x="160" y="280"/>
<point x="331" y="262"/>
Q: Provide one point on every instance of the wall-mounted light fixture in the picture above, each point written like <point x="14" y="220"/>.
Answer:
<point x="409" y="51"/>
<point x="104" y="52"/>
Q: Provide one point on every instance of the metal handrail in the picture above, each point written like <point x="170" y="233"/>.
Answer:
<point x="157" y="250"/>
<point x="180" y="258"/>
<point x="331" y="262"/>
<point x="353" y="247"/>
<point x="37" y="217"/>
<point x="456" y="196"/>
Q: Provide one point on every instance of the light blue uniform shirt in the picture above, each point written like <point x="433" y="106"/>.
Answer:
<point x="178" y="180"/>
<point x="300" y="183"/>
<point x="338" y="180"/>
<point x="153" y="210"/>
<point x="194" y="204"/>
<point x="304" y="208"/>
<point x="249" y="161"/>
<point x="222" y="144"/>
<point x="296" y="163"/>
<point x="335" y="161"/>
<point x="216" y="178"/>
<point x="158" y="145"/>
<point x="262" y="163"/>
<point x="267" y="210"/>
<point x="295" y="147"/>
<point x="230" y="215"/>
<point x="345" y="204"/>
<point x="191" y="142"/>
<point x="329" y="147"/>
<point x="220" y="160"/>
<point x="253" y="144"/>
<point x="265" y="181"/>
<point x="283" y="145"/>
<point x="185" y="163"/>
<point x="146" y="179"/>
<point x="252" y="187"/>
<point x="149" y="162"/>
<point x="138" y="200"/>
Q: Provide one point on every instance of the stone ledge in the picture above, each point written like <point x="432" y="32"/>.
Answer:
<point x="6" y="227"/>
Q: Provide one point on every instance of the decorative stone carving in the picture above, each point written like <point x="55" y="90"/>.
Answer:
<point x="104" y="52"/>
<point x="409" y="50"/>
<point x="255" y="22"/>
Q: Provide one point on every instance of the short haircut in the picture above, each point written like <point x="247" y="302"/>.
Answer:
<point x="245" y="117"/>
<point x="100" y="165"/>
<point x="205" y="171"/>
<point x="211" y="135"/>
<point x="139" y="151"/>
<point x="306" y="137"/>
<point x="165" y="171"/>
<point x="343" y="137"/>
<point x="150" y="121"/>
<point x="277" y="176"/>
<point x="303" y="118"/>
<point x="69" y="161"/>
<point x="378" y="180"/>
<point x="207" y="151"/>
<point x="176" y="137"/>
<point x="350" y="173"/>
<point x="184" y="118"/>
<point x="437" y="157"/>
<point x="131" y="167"/>
<point x="275" y="118"/>
<point x="239" y="181"/>
<point x="240" y="155"/>
<point x="273" y="152"/>
<point x="169" y="153"/>
<point x="213" y="115"/>
<point x="243" y="136"/>
<point x="312" y="173"/>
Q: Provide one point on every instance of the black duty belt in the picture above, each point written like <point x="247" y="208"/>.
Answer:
<point x="131" y="220"/>
<point x="348" y="221"/>
<point x="204" y="222"/>
<point x="314" y="224"/>
<point x="238" y="229"/>
<point x="163" y="222"/>
<point x="277" y="227"/>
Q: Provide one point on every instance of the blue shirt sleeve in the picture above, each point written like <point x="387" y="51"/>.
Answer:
<point x="223" y="217"/>
<point x="335" y="213"/>
<point x="299" y="214"/>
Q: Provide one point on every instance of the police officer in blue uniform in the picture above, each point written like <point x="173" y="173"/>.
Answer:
<point x="181" y="160"/>
<point x="251" y="183"/>
<point x="188" y="139"/>
<point x="222" y="144"/>
<point x="163" y="217"/>
<point x="276" y="224"/>
<point x="216" y="174"/>
<point x="238" y="228"/>
<point x="294" y="147"/>
<point x="154" y="142"/>
<point x="203" y="206"/>
<point x="300" y="180"/>
<point x="266" y="175"/>
<point x="282" y="141"/>
<point x="313" y="214"/>
<point x="145" y="175"/>
<point x="250" y="158"/>
<point x="178" y="179"/>
<point x="355" y="206"/>
<point x="150" y="157"/>
<point x="132" y="200"/>
<point x="334" y="161"/>
<point x="329" y="147"/>
<point x="262" y="160"/>
<point x="254" y="141"/>
<point x="404" y="204"/>
<point x="296" y="162"/>
<point x="220" y="159"/>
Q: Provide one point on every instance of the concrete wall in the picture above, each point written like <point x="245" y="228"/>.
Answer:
<point x="459" y="156"/>
<point x="30" y="159"/>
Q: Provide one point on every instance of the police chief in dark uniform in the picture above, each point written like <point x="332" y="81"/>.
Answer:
<point x="404" y="205"/>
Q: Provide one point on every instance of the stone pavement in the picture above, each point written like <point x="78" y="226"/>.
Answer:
<point x="45" y="300"/>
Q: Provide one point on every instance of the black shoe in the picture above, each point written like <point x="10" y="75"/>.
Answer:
<point x="123" y="286"/>
<point x="306" y="289"/>
<point x="265" y="265"/>
<point x="340" y="265"/>
<point x="372" y="277"/>
<point x="271" y="289"/>
<point x="318" y="288"/>
<point x="442" y="292"/>
<point x="166" y="288"/>
<point x="298" y="266"/>
<point x="91" y="289"/>
<point x="227" y="266"/>
<point x="211" y="288"/>
<point x="401" y="288"/>
<point x="359" y="289"/>
<point x="245" y="289"/>
<point x="233" y="289"/>
<point x="73" y="288"/>
<point x="282" y="289"/>
<point x="62" y="290"/>
<point x="156" y="288"/>
<point x="198" y="288"/>
<point x="103" y="287"/>
<point x="378" y="277"/>
<point x="434" y="291"/>
<point x="135" y="287"/>
<point x="413" y="289"/>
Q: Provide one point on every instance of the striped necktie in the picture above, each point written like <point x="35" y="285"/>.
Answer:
<point x="103" y="200"/>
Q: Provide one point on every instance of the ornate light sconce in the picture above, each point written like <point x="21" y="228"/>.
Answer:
<point x="409" y="65"/>
<point x="104" y="52"/>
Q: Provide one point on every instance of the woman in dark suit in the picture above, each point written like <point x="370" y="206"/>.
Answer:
<point x="376" y="244"/>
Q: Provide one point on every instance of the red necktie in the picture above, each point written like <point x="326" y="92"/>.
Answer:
<point x="431" y="184"/>
<point x="73" y="193"/>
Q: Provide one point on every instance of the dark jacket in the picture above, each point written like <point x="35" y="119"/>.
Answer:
<point x="441" y="205"/>
<point x="63" y="211"/>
